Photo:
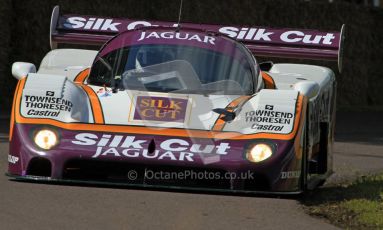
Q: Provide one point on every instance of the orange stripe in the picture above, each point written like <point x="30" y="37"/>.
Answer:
<point x="11" y="125"/>
<point x="297" y="143"/>
<point x="93" y="98"/>
<point x="80" y="78"/>
<point x="156" y="131"/>
<point x="98" y="115"/>
<point x="269" y="81"/>
<point x="220" y="123"/>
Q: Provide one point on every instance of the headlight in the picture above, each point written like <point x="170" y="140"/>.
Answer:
<point x="46" y="139"/>
<point x="259" y="152"/>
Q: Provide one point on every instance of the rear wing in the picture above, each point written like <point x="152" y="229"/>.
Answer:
<point x="261" y="41"/>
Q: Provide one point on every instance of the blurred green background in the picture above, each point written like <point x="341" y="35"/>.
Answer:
<point x="25" y="33"/>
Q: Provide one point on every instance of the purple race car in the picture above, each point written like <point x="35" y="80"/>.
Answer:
<point x="176" y="106"/>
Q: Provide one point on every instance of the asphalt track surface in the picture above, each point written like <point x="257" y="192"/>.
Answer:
<point x="359" y="149"/>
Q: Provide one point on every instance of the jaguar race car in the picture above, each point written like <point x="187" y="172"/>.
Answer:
<point x="162" y="104"/>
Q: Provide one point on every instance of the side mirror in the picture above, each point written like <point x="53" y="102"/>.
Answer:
<point x="22" y="69"/>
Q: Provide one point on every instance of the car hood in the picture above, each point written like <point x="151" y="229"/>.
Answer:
<point x="138" y="108"/>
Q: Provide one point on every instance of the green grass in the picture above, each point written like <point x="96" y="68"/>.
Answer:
<point x="358" y="205"/>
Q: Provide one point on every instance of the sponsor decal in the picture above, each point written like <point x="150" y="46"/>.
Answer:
<point x="178" y="36"/>
<point x="104" y="92"/>
<point x="268" y="116"/>
<point x="92" y="24"/>
<point x="104" y="24"/>
<point x="132" y="147"/>
<point x="261" y="34"/>
<point x="13" y="159"/>
<point x="247" y="33"/>
<point x="43" y="113"/>
<point x="239" y="33"/>
<point x="290" y="175"/>
<point x="276" y="128"/>
<point x="151" y="108"/>
<point x="50" y="93"/>
<point x="268" y="119"/>
<point x="48" y="106"/>
<point x="269" y="107"/>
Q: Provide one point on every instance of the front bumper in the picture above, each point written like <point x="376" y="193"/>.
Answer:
<point x="105" y="158"/>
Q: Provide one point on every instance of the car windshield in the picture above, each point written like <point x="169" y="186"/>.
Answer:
<point x="177" y="68"/>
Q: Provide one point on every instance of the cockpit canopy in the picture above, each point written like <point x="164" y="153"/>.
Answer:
<point x="164" y="60"/>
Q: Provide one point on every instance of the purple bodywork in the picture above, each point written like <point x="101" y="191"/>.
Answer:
<point x="66" y="156"/>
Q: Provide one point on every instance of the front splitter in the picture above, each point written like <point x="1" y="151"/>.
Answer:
<point x="48" y="180"/>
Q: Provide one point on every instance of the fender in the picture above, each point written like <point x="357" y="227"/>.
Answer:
<point x="53" y="97"/>
<point x="270" y="112"/>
